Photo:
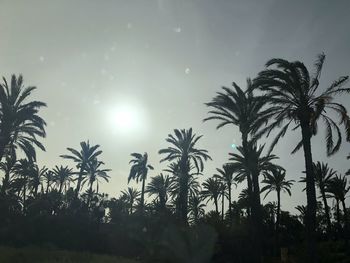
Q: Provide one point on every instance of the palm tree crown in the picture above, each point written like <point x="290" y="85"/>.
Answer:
<point x="211" y="190"/>
<point x="160" y="186"/>
<point x="86" y="155"/>
<point x="20" y="124"/>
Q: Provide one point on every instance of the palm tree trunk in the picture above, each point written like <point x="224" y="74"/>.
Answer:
<point x="4" y="140"/>
<point x="278" y="220"/>
<point x="222" y="205"/>
<point x="47" y="186"/>
<point x="345" y="212"/>
<point x="310" y="193"/>
<point x="338" y="218"/>
<point x="278" y="212"/>
<point x="36" y="190"/>
<point x="60" y="189"/>
<point x="80" y="178"/>
<point x="24" y="196"/>
<point x="326" y="210"/>
<point x="90" y="194"/>
<point x="5" y="182"/>
<point x="143" y="194"/>
<point x="257" y="217"/>
<point x="346" y="230"/>
<point x="229" y="202"/>
<point x="216" y="205"/>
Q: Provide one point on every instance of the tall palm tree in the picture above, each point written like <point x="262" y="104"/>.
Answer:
<point x="195" y="208"/>
<point x="160" y="186"/>
<point x="275" y="180"/>
<point x="244" y="110"/>
<point x="86" y="155"/>
<point x="183" y="152"/>
<point x="211" y="191"/>
<point x="130" y="195"/>
<point x="62" y="176"/>
<point x="249" y="161"/>
<point x="20" y="124"/>
<point x="323" y="176"/>
<point x="293" y="97"/>
<point x="139" y="171"/>
<point x="226" y="176"/>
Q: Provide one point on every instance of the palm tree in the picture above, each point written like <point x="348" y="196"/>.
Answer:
<point x="20" y="124"/>
<point x="130" y="195"/>
<point x="7" y="168"/>
<point x="23" y="171"/>
<point x="139" y="171"/>
<point x="226" y="176"/>
<point x="275" y="180"/>
<point x="338" y="189"/>
<point x="250" y="162"/>
<point x="36" y="179"/>
<point x="195" y="208"/>
<point x="293" y="97"/>
<point x="160" y="186"/>
<point x="86" y="155"/>
<point x="211" y="191"/>
<point x="49" y="178"/>
<point x="62" y="176"/>
<point x="244" y="110"/>
<point x="184" y="153"/>
<point x="323" y="175"/>
<point x="303" y="211"/>
<point x="244" y="200"/>
<point x="94" y="173"/>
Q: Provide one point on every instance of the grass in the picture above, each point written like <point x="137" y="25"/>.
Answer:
<point x="38" y="255"/>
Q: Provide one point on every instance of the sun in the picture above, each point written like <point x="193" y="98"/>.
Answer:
<point x="124" y="119"/>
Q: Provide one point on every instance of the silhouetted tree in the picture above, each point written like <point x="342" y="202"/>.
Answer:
<point x="275" y="180"/>
<point x="293" y="99"/>
<point x="338" y="189"/>
<point x="62" y="176"/>
<point x="211" y="191"/>
<point x="244" y="110"/>
<point x="94" y="173"/>
<point x="130" y="195"/>
<point x="7" y="167"/>
<point x="36" y="179"/>
<point x="226" y="176"/>
<point x="23" y="170"/>
<point x="86" y="155"/>
<point x="195" y="208"/>
<point x="323" y="175"/>
<point x="160" y="186"/>
<point x="139" y="171"/>
<point x="20" y="124"/>
<point x="184" y="153"/>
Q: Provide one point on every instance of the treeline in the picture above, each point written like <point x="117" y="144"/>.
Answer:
<point x="63" y="206"/>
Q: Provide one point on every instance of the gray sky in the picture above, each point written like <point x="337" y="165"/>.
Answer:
<point x="162" y="60"/>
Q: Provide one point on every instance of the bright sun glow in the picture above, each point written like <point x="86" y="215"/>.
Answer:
<point x="124" y="119"/>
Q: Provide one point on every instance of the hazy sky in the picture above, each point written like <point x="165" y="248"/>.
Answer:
<point x="160" y="61"/>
